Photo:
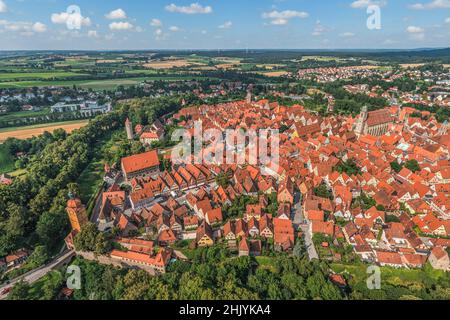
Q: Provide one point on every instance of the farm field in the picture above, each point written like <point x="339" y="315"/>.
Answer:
<point x="36" y="130"/>
<point x="36" y="75"/>
<point x="274" y="73"/>
<point x="110" y="84"/>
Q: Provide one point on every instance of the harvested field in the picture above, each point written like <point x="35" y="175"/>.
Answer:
<point x="32" y="131"/>
<point x="168" y="64"/>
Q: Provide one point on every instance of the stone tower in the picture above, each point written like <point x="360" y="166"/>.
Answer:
<point x="249" y="97"/>
<point x="77" y="214"/>
<point x="361" y="122"/>
<point x="129" y="129"/>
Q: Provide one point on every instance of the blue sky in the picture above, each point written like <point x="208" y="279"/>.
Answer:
<point x="221" y="24"/>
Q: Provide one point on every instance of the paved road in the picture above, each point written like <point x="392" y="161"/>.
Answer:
<point x="38" y="273"/>
<point x="312" y="253"/>
<point x="301" y="222"/>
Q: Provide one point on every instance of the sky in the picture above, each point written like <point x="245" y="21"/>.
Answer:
<point x="223" y="24"/>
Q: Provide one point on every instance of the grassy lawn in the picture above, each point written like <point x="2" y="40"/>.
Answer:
<point x="91" y="179"/>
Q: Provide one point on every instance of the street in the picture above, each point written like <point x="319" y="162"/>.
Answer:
<point x="37" y="274"/>
<point x="301" y="222"/>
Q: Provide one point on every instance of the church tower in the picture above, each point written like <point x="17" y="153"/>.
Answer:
<point x="249" y="97"/>
<point x="129" y="129"/>
<point x="77" y="214"/>
<point x="361" y="122"/>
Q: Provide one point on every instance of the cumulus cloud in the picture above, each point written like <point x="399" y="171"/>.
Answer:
<point x="39" y="27"/>
<point x="24" y="27"/>
<point x="447" y="20"/>
<point x="3" y="7"/>
<point x="226" y="25"/>
<point x="120" y="26"/>
<point x="435" y="4"/>
<point x="92" y="34"/>
<point x="414" y="29"/>
<point x="416" y="33"/>
<point x="174" y="29"/>
<point x="362" y="4"/>
<point x="156" y="23"/>
<point x="117" y="14"/>
<point x="347" y="35"/>
<point x="75" y="18"/>
<point x="194" y="8"/>
<point x="283" y="17"/>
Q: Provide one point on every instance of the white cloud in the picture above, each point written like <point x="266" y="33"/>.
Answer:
<point x="174" y="29"/>
<point x="39" y="27"/>
<point x="3" y="7"/>
<point x="92" y="34"/>
<point x="120" y="26"/>
<point x="159" y="34"/>
<point x="435" y="4"/>
<point x="24" y="27"/>
<point x="413" y="29"/>
<point x="319" y="29"/>
<point x="362" y="4"/>
<point x="194" y="8"/>
<point x="117" y="14"/>
<point x="283" y="17"/>
<point x="447" y="20"/>
<point x="347" y="35"/>
<point x="226" y="25"/>
<point x="75" y="18"/>
<point x="416" y="33"/>
<point x="156" y="23"/>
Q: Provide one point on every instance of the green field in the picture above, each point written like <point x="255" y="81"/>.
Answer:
<point x="36" y="75"/>
<point x="6" y="160"/>
<point x="12" y="116"/>
<point x="110" y="84"/>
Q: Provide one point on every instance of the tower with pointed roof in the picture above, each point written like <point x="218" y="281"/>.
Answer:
<point x="77" y="214"/>
<point x="129" y="129"/>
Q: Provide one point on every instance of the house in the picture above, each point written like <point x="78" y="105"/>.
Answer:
<point x="156" y="264"/>
<point x="322" y="227"/>
<point x="204" y="235"/>
<point x="266" y="227"/>
<point x="229" y="231"/>
<point x="286" y="192"/>
<point x="284" y="211"/>
<point x="249" y="247"/>
<point x="387" y="258"/>
<point x="214" y="216"/>
<point x="439" y="259"/>
<point x="166" y="237"/>
<point x="140" y="165"/>
<point x="190" y="223"/>
<point x="147" y="138"/>
<point x="125" y="226"/>
<point x="253" y="211"/>
<point x="16" y="258"/>
<point x="283" y="234"/>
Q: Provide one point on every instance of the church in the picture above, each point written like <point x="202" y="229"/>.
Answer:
<point x="375" y="123"/>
